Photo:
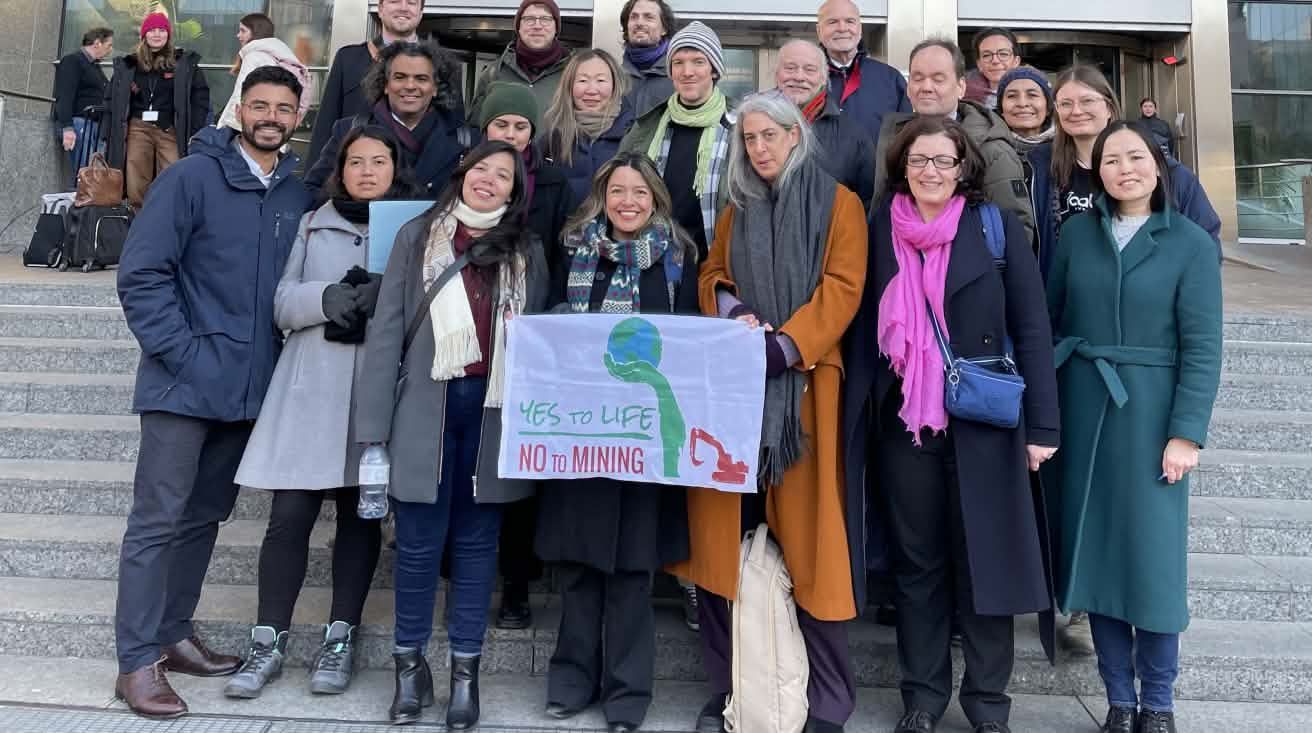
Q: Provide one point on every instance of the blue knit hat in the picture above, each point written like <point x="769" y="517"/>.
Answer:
<point x="1025" y="72"/>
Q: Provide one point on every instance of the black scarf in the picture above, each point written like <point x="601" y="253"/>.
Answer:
<point x="356" y="212"/>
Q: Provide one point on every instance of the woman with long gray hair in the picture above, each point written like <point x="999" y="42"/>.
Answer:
<point x="789" y="257"/>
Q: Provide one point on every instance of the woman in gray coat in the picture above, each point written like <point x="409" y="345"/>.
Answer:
<point x="302" y="447"/>
<point x="431" y="391"/>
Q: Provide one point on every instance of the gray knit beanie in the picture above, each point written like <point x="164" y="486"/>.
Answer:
<point x="699" y="36"/>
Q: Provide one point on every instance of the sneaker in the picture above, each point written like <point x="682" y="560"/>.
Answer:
<point x="691" y="618"/>
<point x="263" y="663"/>
<point x="330" y="672"/>
<point x="1076" y="635"/>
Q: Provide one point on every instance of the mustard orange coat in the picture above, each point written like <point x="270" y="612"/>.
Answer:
<point x="805" y="513"/>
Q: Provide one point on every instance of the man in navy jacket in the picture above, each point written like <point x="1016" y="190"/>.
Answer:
<point x="864" y="88"/>
<point x="196" y="281"/>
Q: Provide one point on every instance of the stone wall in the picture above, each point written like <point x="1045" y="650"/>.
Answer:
<point x="30" y="159"/>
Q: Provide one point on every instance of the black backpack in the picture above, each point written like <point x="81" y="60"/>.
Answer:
<point x="46" y="249"/>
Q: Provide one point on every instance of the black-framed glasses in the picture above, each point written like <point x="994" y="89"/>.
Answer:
<point x="941" y="162"/>
<point x="1003" y="56"/>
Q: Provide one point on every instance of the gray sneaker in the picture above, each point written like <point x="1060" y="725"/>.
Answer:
<point x="330" y="673"/>
<point x="1076" y="636"/>
<point x="263" y="663"/>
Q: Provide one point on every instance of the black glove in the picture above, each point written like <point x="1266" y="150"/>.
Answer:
<point x="742" y="309"/>
<point x="366" y="295"/>
<point x="339" y="304"/>
<point x="775" y="361"/>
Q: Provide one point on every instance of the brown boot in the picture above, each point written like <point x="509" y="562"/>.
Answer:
<point x="191" y="656"/>
<point x="148" y="693"/>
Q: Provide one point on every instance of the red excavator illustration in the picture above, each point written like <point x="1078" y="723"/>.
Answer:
<point x="727" y="470"/>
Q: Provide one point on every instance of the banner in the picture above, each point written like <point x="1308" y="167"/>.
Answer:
<point x="660" y="399"/>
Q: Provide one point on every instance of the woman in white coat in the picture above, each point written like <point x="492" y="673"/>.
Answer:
<point x="259" y="48"/>
<point x="302" y="447"/>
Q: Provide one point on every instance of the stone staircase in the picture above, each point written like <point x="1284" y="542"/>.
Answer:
<point x="68" y="440"/>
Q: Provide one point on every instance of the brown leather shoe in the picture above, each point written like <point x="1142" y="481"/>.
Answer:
<point x="148" y="693"/>
<point x="191" y="656"/>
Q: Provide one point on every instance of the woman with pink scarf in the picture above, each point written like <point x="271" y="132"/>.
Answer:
<point x="952" y="496"/>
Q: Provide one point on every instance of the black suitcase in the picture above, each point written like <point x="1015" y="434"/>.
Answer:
<point x="95" y="237"/>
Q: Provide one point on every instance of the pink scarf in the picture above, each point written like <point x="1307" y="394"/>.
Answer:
<point x="905" y="334"/>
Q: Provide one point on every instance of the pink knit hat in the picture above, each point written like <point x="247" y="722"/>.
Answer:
<point x="153" y="21"/>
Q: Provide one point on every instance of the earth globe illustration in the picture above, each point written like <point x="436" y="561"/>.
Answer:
<point x="634" y="339"/>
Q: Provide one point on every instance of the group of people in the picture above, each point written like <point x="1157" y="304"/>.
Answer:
<point x="878" y="231"/>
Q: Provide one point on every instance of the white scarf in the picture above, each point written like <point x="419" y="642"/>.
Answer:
<point x="455" y="336"/>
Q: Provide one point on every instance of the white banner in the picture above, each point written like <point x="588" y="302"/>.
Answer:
<point x="660" y="399"/>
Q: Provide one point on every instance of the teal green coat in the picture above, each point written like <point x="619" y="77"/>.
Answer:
<point x="1138" y="362"/>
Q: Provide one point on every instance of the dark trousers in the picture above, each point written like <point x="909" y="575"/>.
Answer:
<point x="87" y="132"/>
<point x="518" y="563"/>
<point x="182" y="490"/>
<point x="830" y="692"/>
<point x="285" y="553"/>
<point x="607" y="642"/>
<point x="923" y="501"/>
<point x="424" y="530"/>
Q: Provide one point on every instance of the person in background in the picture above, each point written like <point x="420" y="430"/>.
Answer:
<point x="687" y="136"/>
<point x="863" y="88"/>
<point x="416" y="96"/>
<point x="997" y="52"/>
<point x="1136" y="286"/>
<point x="646" y="26"/>
<point x="789" y="257"/>
<point x="436" y="463"/>
<point x="510" y="114"/>
<point x="1026" y="104"/>
<point x="953" y="495"/>
<point x="605" y="538"/>
<point x="80" y="86"/>
<point x="936" y="86"/>
<point x="322" y="302"/>
<point x="156" y="101"/>
<point x="345" y="94"/>
<point x="259" y="48"/>
<point x="1163" y="133"/>
<point x="1062" y="185"/>
<point x="197" y="282"/>
<point x="843" y="149"/>
<point x="587" y="118"/>
<point x="535" y="58"/>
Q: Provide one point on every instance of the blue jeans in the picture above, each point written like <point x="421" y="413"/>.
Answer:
<point x="424" y="530"/>
<point x="1124" y="650"/>
<point x="88" y="141"/>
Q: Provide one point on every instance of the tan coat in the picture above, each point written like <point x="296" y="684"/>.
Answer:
<point x="805" y="513"/>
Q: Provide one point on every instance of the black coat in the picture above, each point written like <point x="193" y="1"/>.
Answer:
<point x="553" y="202"/>
<point x="1005" y="526"/>
<point x="618" y="525"/>
<point x="847" y="151"/>
<point x="191" y="104"/>
<point x="343" y="97"/>
<point x="588" y="156"/>
<point x="79" y="83"/>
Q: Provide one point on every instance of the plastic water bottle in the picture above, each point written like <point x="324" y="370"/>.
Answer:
<point x="375" y="471"/>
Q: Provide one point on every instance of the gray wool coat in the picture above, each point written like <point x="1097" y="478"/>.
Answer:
<point x="408" y="413"/>
<point x="302" y="439"/>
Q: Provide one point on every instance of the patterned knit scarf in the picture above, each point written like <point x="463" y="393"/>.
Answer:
<point x="631" y="257"/>
<point x="707" y="117"/>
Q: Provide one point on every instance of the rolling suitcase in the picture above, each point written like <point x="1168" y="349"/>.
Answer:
<point x="95" y="237"/>
<point x="46" y="248"/>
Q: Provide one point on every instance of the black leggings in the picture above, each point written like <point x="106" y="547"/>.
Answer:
<point x="285" y="552"/>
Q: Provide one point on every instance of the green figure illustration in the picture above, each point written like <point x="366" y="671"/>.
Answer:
<point x="633" y="353"/>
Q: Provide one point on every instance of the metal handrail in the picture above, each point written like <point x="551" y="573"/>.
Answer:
<point x="25" y="95"/>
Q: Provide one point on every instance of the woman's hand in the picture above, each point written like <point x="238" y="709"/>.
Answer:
<point x="1037" y="454"/>
<point x="1179" y="458"/>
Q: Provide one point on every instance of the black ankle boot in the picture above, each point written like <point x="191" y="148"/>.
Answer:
<point x="414" y="686"/>
<point x="462" y="713"/>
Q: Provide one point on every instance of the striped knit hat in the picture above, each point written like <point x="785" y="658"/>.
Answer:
<point x="698" y="36"/>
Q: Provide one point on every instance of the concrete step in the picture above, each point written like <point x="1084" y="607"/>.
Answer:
<point x="1253" y="475"/>
<point x="1220" y="660"/>
<point x="78" y="356"/>
<point x="1250" y="526"/>
<point x="1261" y="430"/>
<point x="1250" y="587"/>
<point x="96" y="290"/>
<point x="1264" y="392"/>
<point x="63" y="321"/>
<point x="56" y="393"/>
<point x="1275" y="358"/>
<point x="1254" y="327"/>
<point x="69" y="437"/>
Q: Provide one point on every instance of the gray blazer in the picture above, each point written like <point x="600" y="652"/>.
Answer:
<point x="409" y="414"/>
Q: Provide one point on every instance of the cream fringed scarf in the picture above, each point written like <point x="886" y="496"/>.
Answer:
<point x="455" y="337"/>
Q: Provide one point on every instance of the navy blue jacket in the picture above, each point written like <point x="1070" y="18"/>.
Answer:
<point x="1187" y="193"/>
<point x="197" y="278"/>
<point x="882" y="90"/>
<point x="589" y="156"/>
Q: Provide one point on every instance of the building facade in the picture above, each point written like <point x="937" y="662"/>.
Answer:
<point x="1239" y="90"/>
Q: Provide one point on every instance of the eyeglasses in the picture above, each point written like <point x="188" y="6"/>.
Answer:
<point x="941" y="162"/>
<point x="264" y="108"/>
<point x="1004" y="55"/>
<point x="1087" y="104"/>
<point x="542" y="21"/>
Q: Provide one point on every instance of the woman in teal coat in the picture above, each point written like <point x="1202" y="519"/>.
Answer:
<point x="1135" y="299"/>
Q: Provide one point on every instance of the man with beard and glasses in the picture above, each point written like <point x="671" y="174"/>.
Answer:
<point x="344" y="94"/>
<point x="197" y="280"/>
<point x="535" y="58"/>
<point x="647" y="26"/>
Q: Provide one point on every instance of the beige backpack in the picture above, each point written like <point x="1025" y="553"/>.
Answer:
<point x="770" y="669"/>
